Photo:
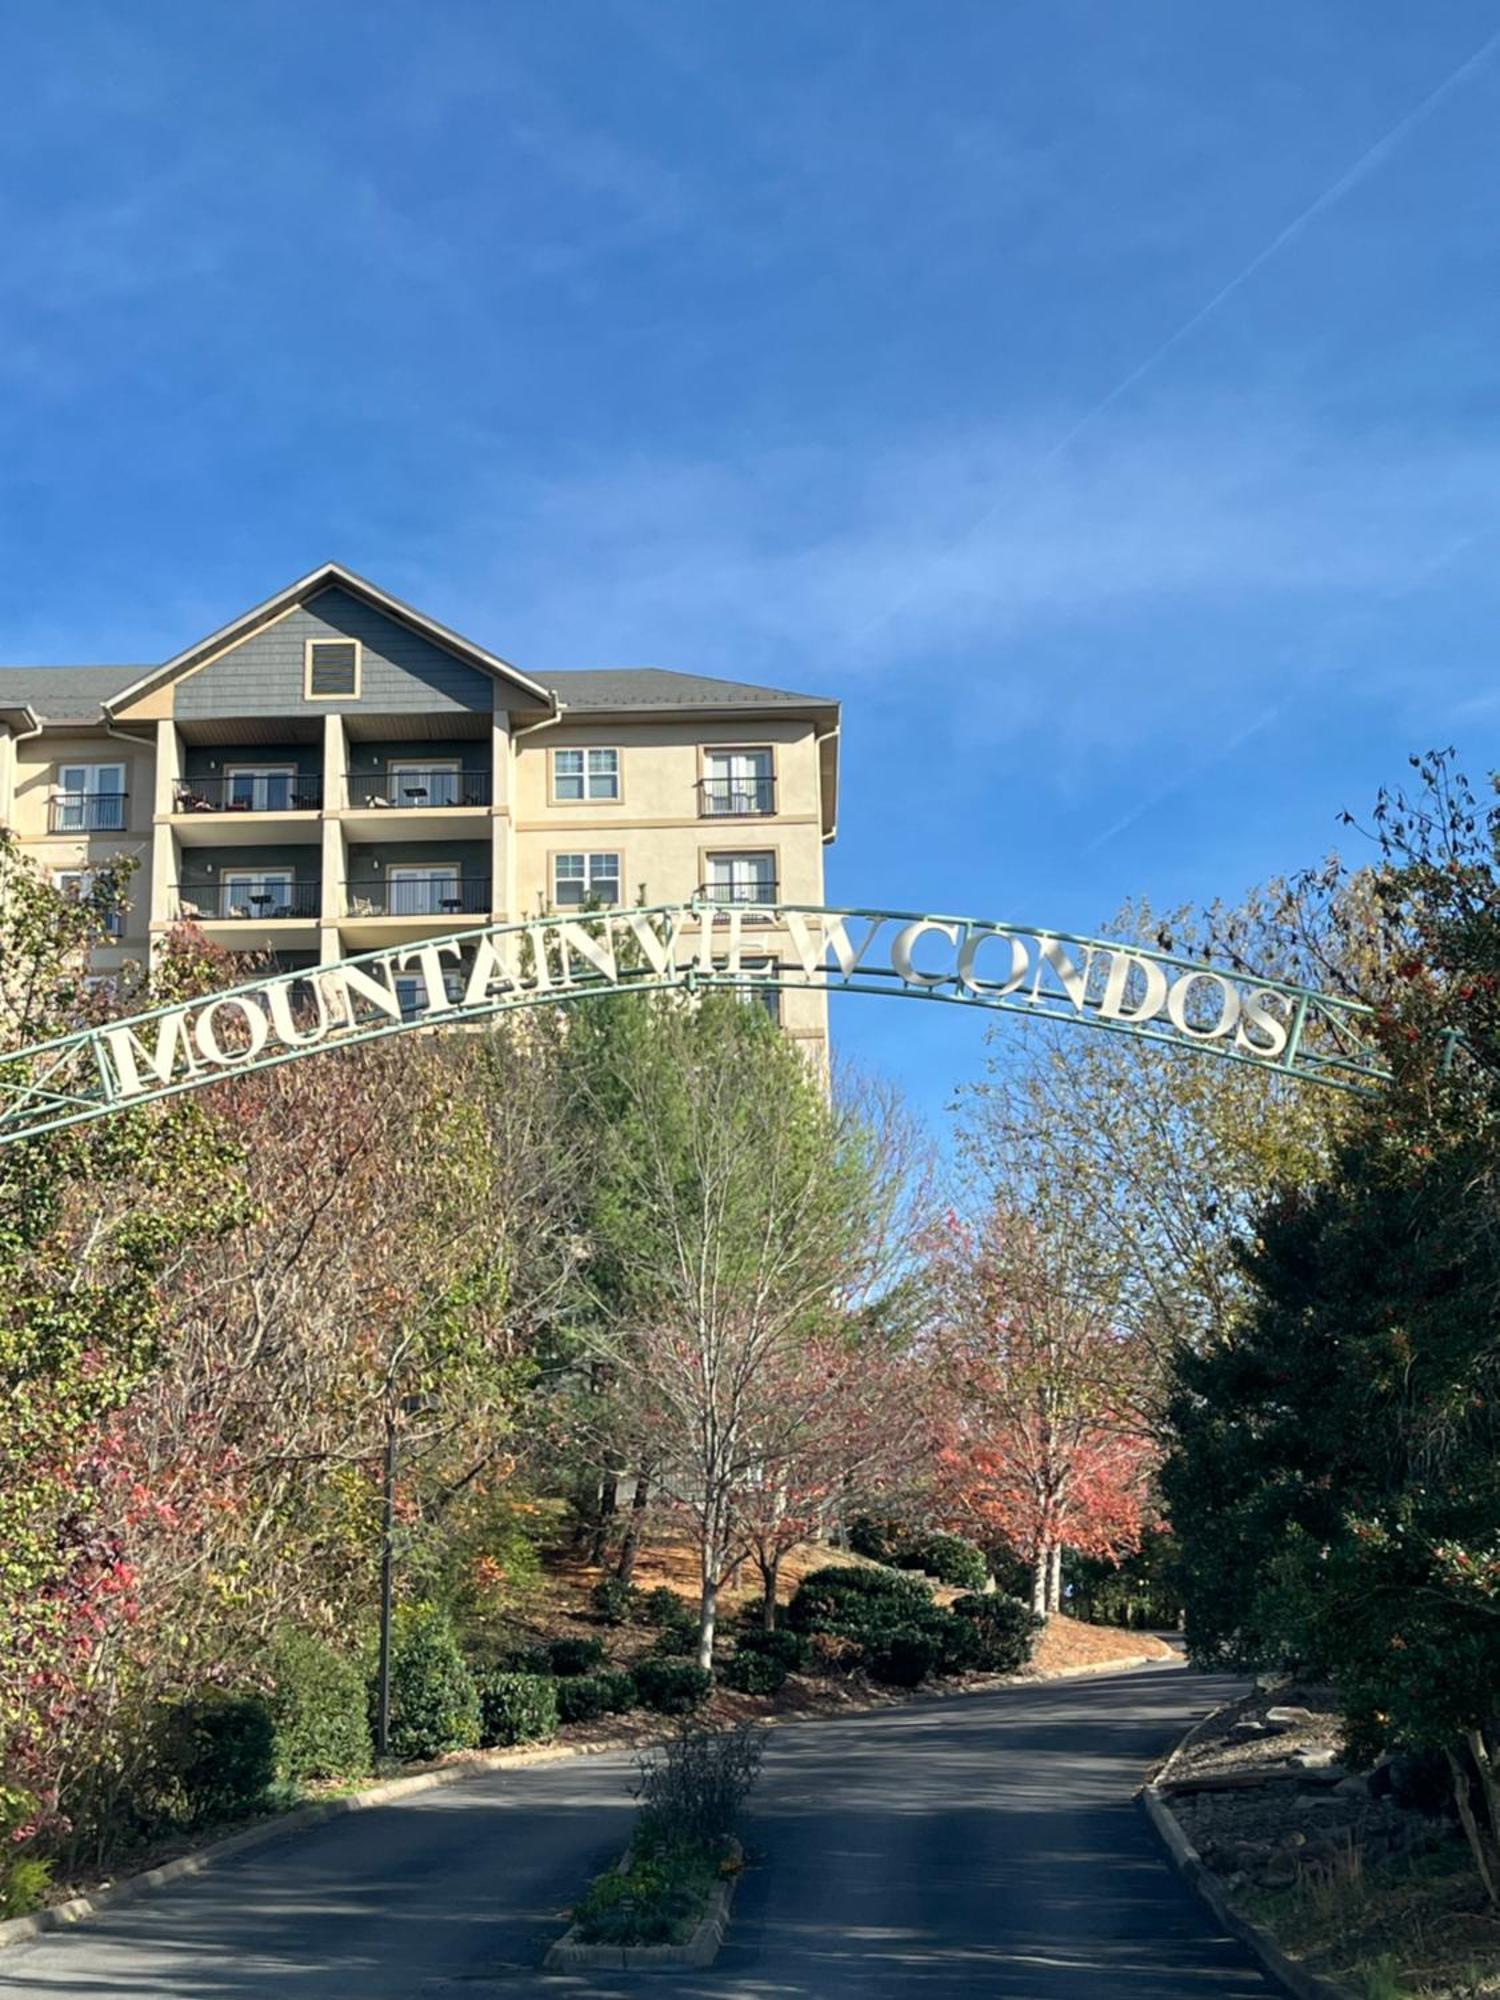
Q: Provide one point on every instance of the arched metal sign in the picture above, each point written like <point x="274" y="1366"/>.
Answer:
<point x="451" y="981"/>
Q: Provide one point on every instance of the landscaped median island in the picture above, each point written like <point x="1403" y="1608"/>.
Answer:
<point x="1363" y="1878"/>
<point x="667" y="1901"/>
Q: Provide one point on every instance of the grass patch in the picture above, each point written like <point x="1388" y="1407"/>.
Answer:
<point x="659" y="1897"/>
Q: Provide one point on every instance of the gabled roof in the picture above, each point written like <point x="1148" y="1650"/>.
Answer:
<point x="327" y="576"/>
<point x="614" y="688"/>
<point x="64" y="694"/>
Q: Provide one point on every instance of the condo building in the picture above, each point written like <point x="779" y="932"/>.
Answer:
<point x="334" y="772"/>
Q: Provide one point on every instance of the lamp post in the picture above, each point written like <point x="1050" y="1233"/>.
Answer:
<point x="409" y="1406"/>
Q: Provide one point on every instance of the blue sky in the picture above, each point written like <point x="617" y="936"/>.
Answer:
<point x="1103" y="401"/>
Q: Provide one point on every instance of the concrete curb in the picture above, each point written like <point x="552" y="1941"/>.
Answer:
<point x="1185" y="1858"/>
<point x="571" y="1954"/>
<point x="62" y="1916"/>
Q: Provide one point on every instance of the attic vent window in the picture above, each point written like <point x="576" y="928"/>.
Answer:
<point x="333" y="669"/>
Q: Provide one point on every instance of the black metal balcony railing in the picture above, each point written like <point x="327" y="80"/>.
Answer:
<point x="737" y="798"/>
<point x="267" y="900"/>
<point x="378" y="896"/>
<point x="760" y="890"/>
<point x="86" y="812"/>
<point x="418" y="788"/>
<point x="247" y="791"/>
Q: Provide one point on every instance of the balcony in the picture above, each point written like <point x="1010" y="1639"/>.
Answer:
<point x="440" y="896"/>
<point x="417" y="788"/>
<point x="745" y="892"/>
<point x="86" y="812"/>
<point x="258" y="899"/>
<point x="736" y="798"/>
<point x="250" y="792"/>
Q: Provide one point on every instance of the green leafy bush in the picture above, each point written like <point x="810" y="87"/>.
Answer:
<point x="516" y="1708"/>
<point x="658" y="1900"/>
<point x="575" y="1656"/>
<point x="665" y="1608"/>
<point x="672" y="1687"/>
<point x="676" y="1642"/>
<point x="620" y="1692"/>
<point x="434" y="1706"/>
<point x="904" y="1657"/>
<point x="213" y="1757"/>
<point x="614" y="1602"/>
<point x="319" y="1708"/>
<point x="792" y="1650"/>
<point x="872" y="1539"/>
<point x="24" y="1878"/>
<point x="1006" y="1630"/>
<point x="949" y="1558"/>
<point x="857" y="1603"/>
<point x="582" y="1698"/>
<point x="753" y="1673"/>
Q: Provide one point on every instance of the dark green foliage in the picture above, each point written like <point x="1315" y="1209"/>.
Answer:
<point x="619" y="1691"/>
<point x="575" y="1656"/>
<point x="949" y="1558"/>
<point x="856" y="1602"/>
<point x="614" y="1602"/>
<point x="434" y="1707"/>
<point x="657" y="1900"/>
<point x="665" y="1608"/>
<point x="791" y="1650"/>
<point x="672" y="1687"/>
<point x="517" y="1708"/>
<point x="1005" y="1631"/>
<point x="753" y="1673"/>
<point x="676" y="1642"/>
<point x="319" y="1706"/>
<point x="873" y="1539"/>
<point x="214" y="1756"/>
<point x="904" y="1657"/>
<point x="582" y="1698"/>
<point x="1140" y="1592"/>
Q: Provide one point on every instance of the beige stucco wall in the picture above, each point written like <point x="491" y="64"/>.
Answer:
<point x="37" y="763"/>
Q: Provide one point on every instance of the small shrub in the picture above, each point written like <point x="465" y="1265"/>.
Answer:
<point x="904" y="1659"/>
<point x="575" y="1656"/>
<point x="24" y="1878"/>
<point x="676" y="1642"/>
<point x="792" y="1649"/>
<point x="692" y="1789"/>
<point x="664" y="1607"/>
<point x="582" y="1698"/>
<point x="753" y="1673"/>
<point x="949" y="1558"/>
<point x="656" y="1901"/>
<point x="871" y="1538"/>
<point x="1006" y="1630"/>
<point x="517" y="1708"/>
<point x="434" y="1707"/>
<point x="672" y="1687"/>
<point x="213" y="1756"/>
<point x="832" y="1655"/>
<point x="619" y="1691"/>
<point x="614" y="1602"/>
<point x="857" y="1602"/>
<point x="319" y="1709"/>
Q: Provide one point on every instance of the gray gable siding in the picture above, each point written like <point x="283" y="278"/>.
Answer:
<point x="403" y="673"/>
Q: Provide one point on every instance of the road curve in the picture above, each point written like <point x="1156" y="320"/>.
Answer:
<point x="982" y="1845"/>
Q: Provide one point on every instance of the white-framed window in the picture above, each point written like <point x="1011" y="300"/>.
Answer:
<point x="415" y="785"/>
<point x="332" y="669"/>
<point x="255" y="892"/>
<point x="431" y="889"/>
<point x="90" y="798"/>
<point x="755" y="991"/>
<point x="586" y="776"/>
<point x="259" y="787"/>
<point x="77" y="884"/>
<point x="585" y="878"/>
<point x="738" y="783"/>
<point x="741" y="878"/>
<point x="411" y="990"/>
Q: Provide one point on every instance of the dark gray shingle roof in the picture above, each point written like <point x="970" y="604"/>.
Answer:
<point x="65" y="694"/>
<point x="658" y="687"/>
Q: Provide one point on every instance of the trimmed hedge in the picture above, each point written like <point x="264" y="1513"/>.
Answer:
<point x="213" y="1757"/>
<point x="575" y="1656"/>
<point x="581" y="1698"/>
<point x="792" y="1650"/>
<point x="434" y="1706"/>
<point x="753" y="1673"/>
<point x="949" y="1558"/>
<point x="857" y="1603"/>
<point x="614" y="1602"/>
<point x="906" y="1657"/>
<point x="319" y="1708"/>
<point x="665" y="1608"/>
<point x="620" y="1691"/>
<point x="1006" y="1630"/>
<point x="517" y="1708"/>
<point x="672" y="1687"/>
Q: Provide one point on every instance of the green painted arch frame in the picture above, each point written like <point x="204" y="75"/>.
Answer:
<point x="1105" y="984"/>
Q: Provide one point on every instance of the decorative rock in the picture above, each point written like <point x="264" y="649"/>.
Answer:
<point x="1246" y="1731"/>
<point x="1289" y="1718"/>
<point x="1315" y="1760"/>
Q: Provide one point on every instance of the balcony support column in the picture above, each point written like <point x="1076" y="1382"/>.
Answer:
<point x="502" y="842"/>
<point x="163" y="840"/>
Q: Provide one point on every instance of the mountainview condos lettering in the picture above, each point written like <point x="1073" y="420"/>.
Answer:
<point x="555" y="959"/>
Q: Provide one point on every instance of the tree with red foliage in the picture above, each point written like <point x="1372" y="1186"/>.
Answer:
<point x="1033" y="1388"/>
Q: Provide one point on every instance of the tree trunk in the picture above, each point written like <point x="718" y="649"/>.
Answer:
<point x="1040" y="1576"/>
<point x="1054" y="1579"/>
<point x="770" y="1570"/>
<point x="1463" y="1798"/>
<point x="604" y="1520"/>
<point x="708" y="1611"/>
<point x="630" y="1548"/>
